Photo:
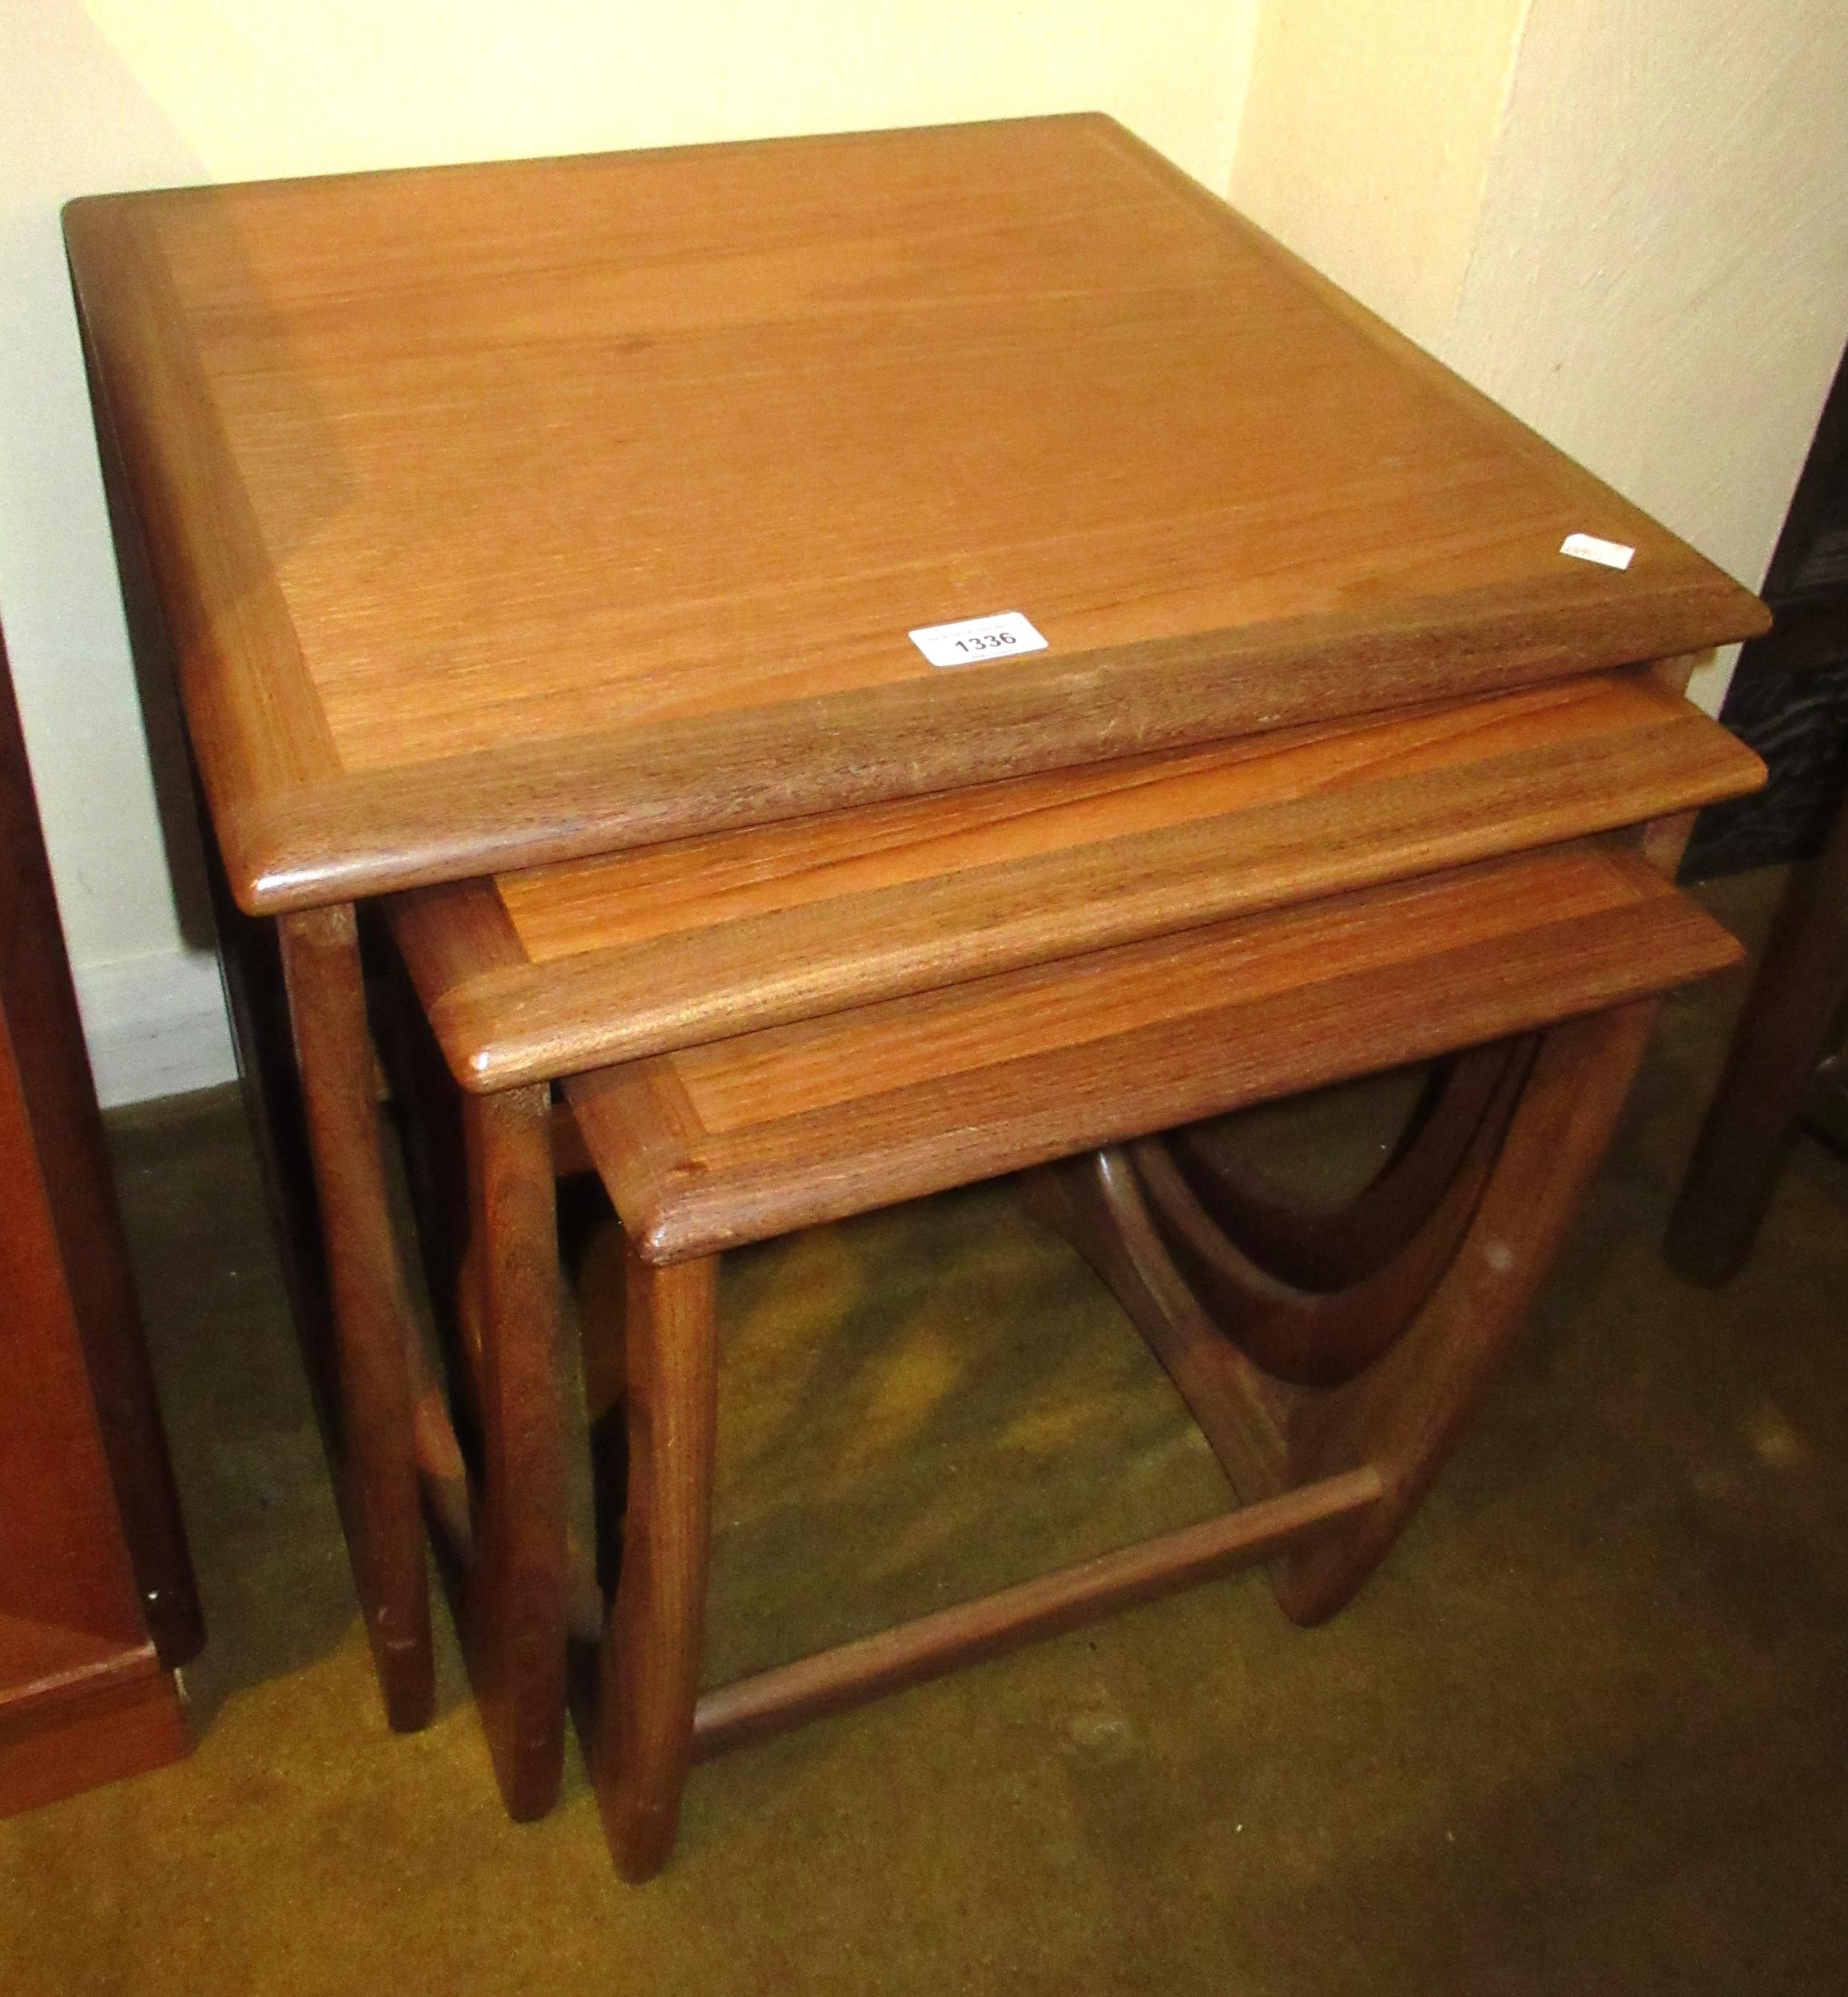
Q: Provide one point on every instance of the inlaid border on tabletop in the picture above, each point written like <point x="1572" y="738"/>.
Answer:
<point x="502" y="514"/>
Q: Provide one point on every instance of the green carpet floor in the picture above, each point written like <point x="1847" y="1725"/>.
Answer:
<point x="1586" y="1731"/>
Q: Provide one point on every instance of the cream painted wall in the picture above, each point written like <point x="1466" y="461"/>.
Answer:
<point x="1659" y="280"/>
<point x="1184" y="94"/>
<point x="1366" y="141"/>
<point x="99" y="94"/>
<point x="1626" y="219"/>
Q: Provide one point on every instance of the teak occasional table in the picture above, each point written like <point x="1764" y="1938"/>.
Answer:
<point x="600" y="518"/>
<point x="1329" y="1359"/>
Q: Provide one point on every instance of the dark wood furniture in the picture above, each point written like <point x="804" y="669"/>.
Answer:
<point x="1788" y="698"/>
<point x="1792" y="1011"/>
<point x="97" y="1605"/>
<point x="574" y="516"/>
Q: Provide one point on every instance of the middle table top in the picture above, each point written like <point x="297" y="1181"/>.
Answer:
<point x="553" y="970"/>
<point x="514" y="513"/>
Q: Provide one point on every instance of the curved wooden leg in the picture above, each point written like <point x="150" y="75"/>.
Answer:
<point x="1325" y="1252"/>
<point x="650" y="1668"/>
<point x="1400" y="1414"/>
<point x="1323" y="1336"/>
<point x="519" y="1588"/>
<point x="1404" y="1414"/>
<point x="1096" y="1203"/>
<point x="375" y="1326"/>
<point x="1794" y="1002"/>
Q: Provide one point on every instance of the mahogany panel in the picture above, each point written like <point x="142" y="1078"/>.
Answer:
<point x="126" y="1720"/>
<point x="95" y="1571"/>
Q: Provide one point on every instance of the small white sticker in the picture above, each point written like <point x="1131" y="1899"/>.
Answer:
<point x="1588" y="547"/>
<point x="977" y="638"/>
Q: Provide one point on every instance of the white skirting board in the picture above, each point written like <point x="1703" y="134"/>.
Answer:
<point x="155" y="1025"/>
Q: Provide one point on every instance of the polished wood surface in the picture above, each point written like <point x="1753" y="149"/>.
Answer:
<point x="1319" y="1252"/>
<point x="98" y="1600"/>
<point x="1405" y="1413"/>
<point x="650" y="1660"/>
<point x="562" y="968"/>
<point x="516" y="512"/>
<point x="760" y="1132"/>
<point x="755" y="1135"/>
<point x="130" y="1720"/>
<point x="377" y="1337"/>
<point x="519" y="1587"/>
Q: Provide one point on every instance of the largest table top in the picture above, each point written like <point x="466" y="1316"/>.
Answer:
<point x="513" y="513"/>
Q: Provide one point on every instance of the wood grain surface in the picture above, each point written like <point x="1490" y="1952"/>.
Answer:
<point x="756" y="1135"/>
<point x="520" y="1588"/>
<point x="649" y="1668"/>
<point x="515" y="512"/>
<point x="376" y="1471"/>
<point x="559" y="969"/>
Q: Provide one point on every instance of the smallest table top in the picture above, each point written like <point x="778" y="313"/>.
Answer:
<point x="795" y="1124"/>
<point x="514" y="513"/>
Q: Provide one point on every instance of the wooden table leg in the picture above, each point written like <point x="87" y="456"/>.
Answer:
<point x="1404" y="1414"/>
<point x="1795" y="1001"/>
<point x="649" y="1673"/>
<point x="1344" y="1306"/>
<point x="1395" y="1400"/>
<point x="519" y="1588"/>
<point x="375" y="1325"/>
<point x="1322" y="1253"/>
